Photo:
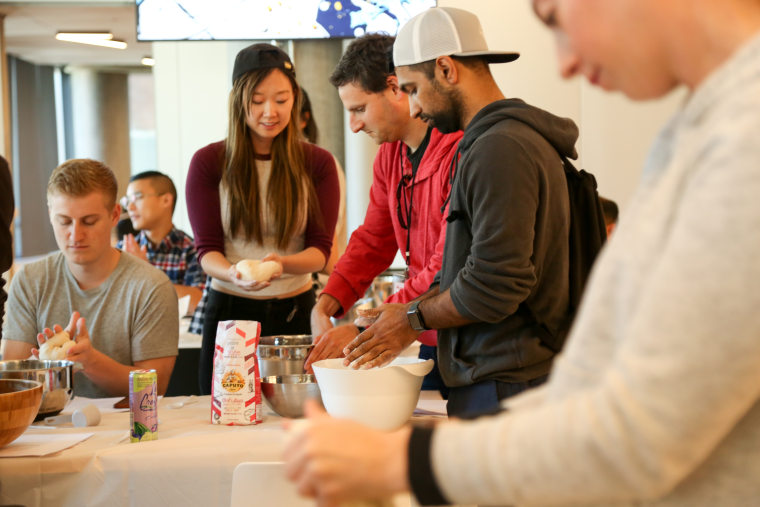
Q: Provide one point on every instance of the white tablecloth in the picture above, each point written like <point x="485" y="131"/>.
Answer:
<point x="190" y="464"/>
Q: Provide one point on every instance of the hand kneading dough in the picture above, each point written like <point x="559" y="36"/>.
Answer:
<point x="55" y="348"/>
<point x="251" y="269"/>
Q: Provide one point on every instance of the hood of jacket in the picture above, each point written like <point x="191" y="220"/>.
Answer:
<point x="561" y="133"/>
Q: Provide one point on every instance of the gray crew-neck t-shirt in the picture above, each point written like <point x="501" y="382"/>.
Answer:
<point x="132" y="316"/>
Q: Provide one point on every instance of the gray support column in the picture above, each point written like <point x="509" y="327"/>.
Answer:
<point x="113" y="109"/>
<point x="100" y="119"/>
<point x="85" y="118"/>
<point x="315" y="61"/>
<point x="35" y="153"/>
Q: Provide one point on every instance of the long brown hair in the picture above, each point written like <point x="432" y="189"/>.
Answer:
<point x="289" y="182"/>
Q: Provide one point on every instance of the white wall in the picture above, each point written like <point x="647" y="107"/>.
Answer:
<point x="615" y="132"/>
<point x="192" y="83"/>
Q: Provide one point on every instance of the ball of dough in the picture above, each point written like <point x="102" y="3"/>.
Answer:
<point x="255" y="270"/>
<point x="55" y="348"/>
<point x="246" y="268"/>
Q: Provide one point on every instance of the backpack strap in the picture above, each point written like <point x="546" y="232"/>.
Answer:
<point x="586" y="236"/>
<point x="587" y="229"/>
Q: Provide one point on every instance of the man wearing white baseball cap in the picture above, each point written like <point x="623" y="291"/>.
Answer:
<point x="500" y="302"/>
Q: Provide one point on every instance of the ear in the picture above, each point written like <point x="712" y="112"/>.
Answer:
<point x="166" y="200"/>
<point x="115" y="214"/>
<point x="392" y="82"/>
<point x="447" y="69"/>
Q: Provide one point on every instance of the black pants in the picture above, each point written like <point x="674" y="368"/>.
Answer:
<point x="277" y="316"/>
<point x="468" y="402"/>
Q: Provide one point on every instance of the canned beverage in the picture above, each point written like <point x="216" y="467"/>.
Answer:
<point x="143" y="405"/>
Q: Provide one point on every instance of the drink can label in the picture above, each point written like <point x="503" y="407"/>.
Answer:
<point x="143" y="405"/>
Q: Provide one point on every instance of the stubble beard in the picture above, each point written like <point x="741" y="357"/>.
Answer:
<point x="449" y="119"/>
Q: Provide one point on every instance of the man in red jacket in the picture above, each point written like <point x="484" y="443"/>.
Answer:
<point x="410" y="188"/>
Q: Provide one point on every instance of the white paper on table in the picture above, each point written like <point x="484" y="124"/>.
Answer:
<point x="184" y="305"/>
<point x="430" y="407"/>
<point x="105" y="405"/>
<point x="41" y="444"/>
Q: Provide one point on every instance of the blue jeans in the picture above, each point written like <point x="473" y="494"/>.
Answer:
<point x="468" y="402"/>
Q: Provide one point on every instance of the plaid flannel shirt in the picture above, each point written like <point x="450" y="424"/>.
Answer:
<point x="176" y="256"/>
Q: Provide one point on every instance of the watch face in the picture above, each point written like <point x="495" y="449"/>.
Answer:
<point x="414" y="319"/>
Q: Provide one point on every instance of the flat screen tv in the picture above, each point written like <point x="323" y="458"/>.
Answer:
<point x="159" y="20"/>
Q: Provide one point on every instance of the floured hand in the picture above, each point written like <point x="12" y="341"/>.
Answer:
<point x="340" y="462"/>
<point x="81" y="350"/>
<point x="366" y="316"/>
<point x="56" y="347"/>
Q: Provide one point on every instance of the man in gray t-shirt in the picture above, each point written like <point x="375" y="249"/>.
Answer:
<point x="120" y="310"/>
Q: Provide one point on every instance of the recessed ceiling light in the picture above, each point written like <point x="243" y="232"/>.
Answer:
<point x="84" y="35"/>
<point x="94" y="38"/>
<point x="148" y="60"/>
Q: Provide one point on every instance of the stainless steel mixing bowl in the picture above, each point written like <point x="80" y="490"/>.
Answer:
<point x="56" y="377"/>
<point x="286" y="394"/>
<point x="283" y="354"/>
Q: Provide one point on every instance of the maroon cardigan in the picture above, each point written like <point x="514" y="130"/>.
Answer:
<point x="202" y="196"/>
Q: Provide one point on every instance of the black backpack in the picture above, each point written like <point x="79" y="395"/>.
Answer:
<point x="586" y="236"/>
<point x="587" y="229"/>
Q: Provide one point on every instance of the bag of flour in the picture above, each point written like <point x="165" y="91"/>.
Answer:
<point x="236" y="385"/>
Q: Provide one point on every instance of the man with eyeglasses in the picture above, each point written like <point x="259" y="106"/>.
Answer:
<point x="150" y="201"/>
<point x="410" y="187"/>
<point x="121" y="312"/>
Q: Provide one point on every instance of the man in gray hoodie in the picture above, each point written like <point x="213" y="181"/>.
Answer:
<point x="500" y="301"/>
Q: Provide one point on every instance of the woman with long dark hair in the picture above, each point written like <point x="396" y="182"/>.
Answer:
<point x="265" y="194"/>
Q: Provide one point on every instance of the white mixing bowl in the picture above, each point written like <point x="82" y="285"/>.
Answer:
<point x="383" y="398"/>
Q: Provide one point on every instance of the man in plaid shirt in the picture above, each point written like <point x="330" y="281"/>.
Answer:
<point x="150" y="201"/>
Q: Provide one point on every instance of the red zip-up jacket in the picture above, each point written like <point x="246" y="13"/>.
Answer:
<point x="374" y="244"/>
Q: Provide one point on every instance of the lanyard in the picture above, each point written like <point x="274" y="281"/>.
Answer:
<point x="407" y="206"/>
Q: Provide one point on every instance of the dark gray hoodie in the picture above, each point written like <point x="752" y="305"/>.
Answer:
<point x="506" y="254"/>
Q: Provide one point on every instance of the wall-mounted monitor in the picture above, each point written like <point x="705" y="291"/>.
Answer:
<point x="159" y="20"/>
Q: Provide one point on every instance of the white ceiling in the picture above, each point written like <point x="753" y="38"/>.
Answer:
<point x="30" y="29"/>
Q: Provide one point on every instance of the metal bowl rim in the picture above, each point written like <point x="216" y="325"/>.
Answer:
<point x="278" y="379"/>
<point x="61" y="363"/>
<point x="267" y="346"/>
<point x="277" y="339"/>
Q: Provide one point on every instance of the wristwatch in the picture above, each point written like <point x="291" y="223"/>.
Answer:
<point x="415" y="317"/>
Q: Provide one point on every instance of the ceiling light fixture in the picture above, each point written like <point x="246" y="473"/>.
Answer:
<point x="148" y="60"/>
<point x="93" y="38"/>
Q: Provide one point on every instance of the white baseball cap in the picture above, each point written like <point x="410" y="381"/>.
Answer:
<point x="444" y="31"/>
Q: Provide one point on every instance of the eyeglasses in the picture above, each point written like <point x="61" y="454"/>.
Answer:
<point x="131" y="199"/>
<point x="404" y="206"/>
